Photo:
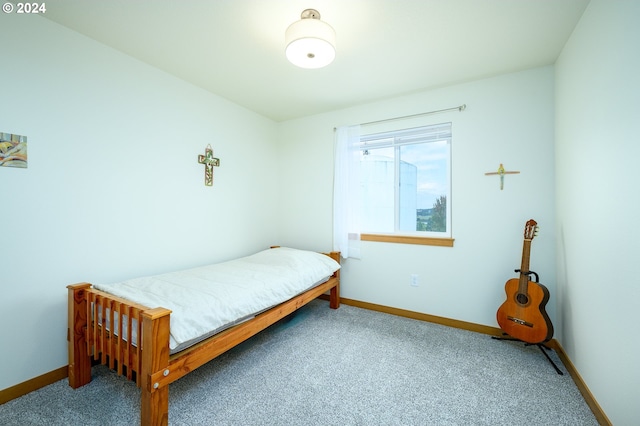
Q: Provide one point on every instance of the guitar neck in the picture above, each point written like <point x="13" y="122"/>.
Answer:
<point x="526" y="252"/>
<point x="524" y="267"/>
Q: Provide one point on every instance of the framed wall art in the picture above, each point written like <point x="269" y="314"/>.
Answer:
<point x="13" y="150"/>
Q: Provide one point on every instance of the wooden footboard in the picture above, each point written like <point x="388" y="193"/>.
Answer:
<point x="112" y="331"/>
<point x="133" y="340"/>
<point x="105" y="329"/>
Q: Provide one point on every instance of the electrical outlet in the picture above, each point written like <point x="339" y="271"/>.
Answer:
<point x="414" y="280"/>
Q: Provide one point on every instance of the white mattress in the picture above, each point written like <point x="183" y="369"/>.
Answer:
<point x="208" y="299"/>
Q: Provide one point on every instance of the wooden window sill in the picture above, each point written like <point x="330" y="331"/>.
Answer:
<point x="408" y="239"/>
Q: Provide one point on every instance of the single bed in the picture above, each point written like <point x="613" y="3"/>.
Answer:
<point x="130" y="326"/>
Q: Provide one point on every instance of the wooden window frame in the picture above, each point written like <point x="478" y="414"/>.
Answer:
<point x="408" y="239"/>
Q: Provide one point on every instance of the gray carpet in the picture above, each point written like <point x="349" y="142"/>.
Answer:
<point x="337" y="367"/>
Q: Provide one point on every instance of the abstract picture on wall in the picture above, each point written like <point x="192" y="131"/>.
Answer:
<point x="13" y="150"/>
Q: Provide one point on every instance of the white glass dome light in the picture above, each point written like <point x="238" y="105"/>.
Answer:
<point x="310" y="42"/>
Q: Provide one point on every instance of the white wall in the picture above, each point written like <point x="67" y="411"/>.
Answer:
<point x="113" y="188"/>
<point x="598" y="123"/>
<point x="509" y="119"/>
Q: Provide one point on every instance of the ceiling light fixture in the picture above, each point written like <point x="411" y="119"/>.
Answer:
<point x="310" y="42"/>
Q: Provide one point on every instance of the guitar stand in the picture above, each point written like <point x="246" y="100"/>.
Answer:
<point x="537" y="280"/>
<point x="540" y="346"/>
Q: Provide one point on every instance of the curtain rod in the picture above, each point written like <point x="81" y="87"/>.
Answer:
<point x="459" y="108"/>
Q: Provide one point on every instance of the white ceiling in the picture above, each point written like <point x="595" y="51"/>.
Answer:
<point x="385" y="48"/>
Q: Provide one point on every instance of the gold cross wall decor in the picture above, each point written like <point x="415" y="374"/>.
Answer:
<point x="209" y="161"/>
<point x="501" y="172"/>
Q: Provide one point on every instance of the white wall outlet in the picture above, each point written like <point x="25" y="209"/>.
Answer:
<point x="414" y="280"/>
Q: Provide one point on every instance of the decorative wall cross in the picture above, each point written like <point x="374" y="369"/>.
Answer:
<point x="209" y="161"/>
<point x="501" y="172"/>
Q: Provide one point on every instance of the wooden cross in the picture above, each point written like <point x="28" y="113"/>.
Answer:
<point x="501" y="172"/>
<point x="209" y="161"/>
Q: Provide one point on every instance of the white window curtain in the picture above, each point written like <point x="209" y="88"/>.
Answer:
<point x="346" y="192"/>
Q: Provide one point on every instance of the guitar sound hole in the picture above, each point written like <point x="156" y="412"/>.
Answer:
<point x="522" y="299"/>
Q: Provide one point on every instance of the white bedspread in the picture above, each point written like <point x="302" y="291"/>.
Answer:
<point x="208" y="299"/>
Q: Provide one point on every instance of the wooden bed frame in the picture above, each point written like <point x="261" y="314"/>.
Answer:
<point x="151" y="366"/>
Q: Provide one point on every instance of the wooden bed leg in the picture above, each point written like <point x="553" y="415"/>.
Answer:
<point x="79" y="356"/>
<point x="334" y="293"/>
<point x="154" y="398"/>
<point x="334" y="297"/>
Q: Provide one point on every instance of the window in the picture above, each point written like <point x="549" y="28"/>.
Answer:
<point x="405" y="180"/>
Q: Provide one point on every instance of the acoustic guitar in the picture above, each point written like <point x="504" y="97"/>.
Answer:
<point x="522" y="315"/>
